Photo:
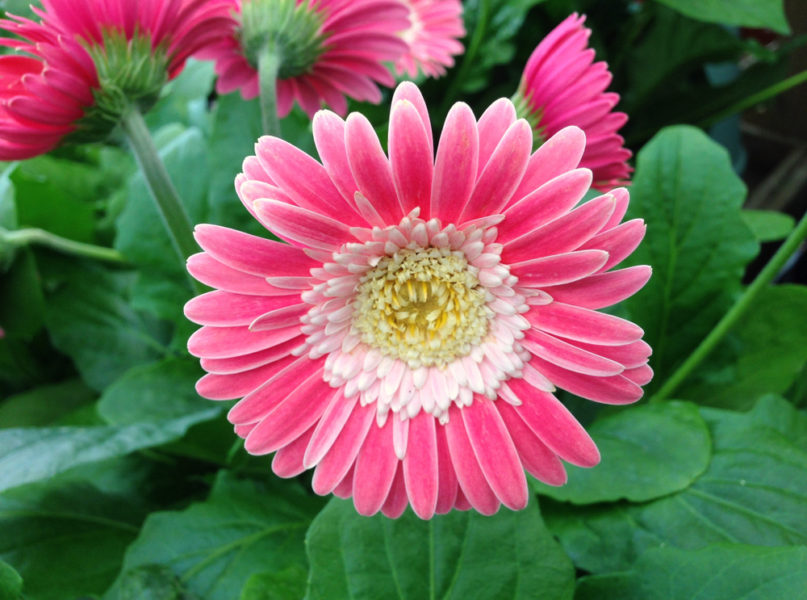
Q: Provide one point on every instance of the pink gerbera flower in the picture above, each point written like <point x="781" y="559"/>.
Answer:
<point x="328" y="49"/>
<point x="433" y="34"/>
<point x="81" y="64"/>
<point x="407" y="340"/>
<point x="561" y="87"/>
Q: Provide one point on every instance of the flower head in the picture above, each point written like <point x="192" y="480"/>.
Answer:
<point x="328" y="49"/>
<point x="562" y="86"/>
<point x="84" y="62"/>
<point x="433" y="34"/>
<point x="407" y="339"/>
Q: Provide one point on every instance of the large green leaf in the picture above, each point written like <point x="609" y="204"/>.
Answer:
<point x="66" y="539"/>
<point x="45" y="404"/>
<point x="243" y="528"/>
<point x="769" y="14"/>
<point x="754" y="492"/>
<point x="162" y="285"/>
<point x="696" y="241"/>
<point x="288" y="584"/>
<point x="769" y="225"/>
<point x="719" y="572"/>
<point x="647" y="451"/>
<point x="10" y="582"/>
<point x="90" y="320"/>
<point x="22" y="304"/>
<point x="458" y="555"/>
<point x="764" y="352"/>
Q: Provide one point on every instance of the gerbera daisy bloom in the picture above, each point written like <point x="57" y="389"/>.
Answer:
<point x="433" y="34"/>
<point x="406" y="341"/>
<point x="83" y="62"/>
<point x="327" y="49"/>
<point x="562" y="86"/>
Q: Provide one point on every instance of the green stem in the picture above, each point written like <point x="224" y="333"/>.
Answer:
<point x="23" y="237"/>
<point x="754" y="99"/>
<point x="742" y="304"/>
<point x="470" y="54"/>
<point x="268" y="67"/>
<point x="165" y="196"/>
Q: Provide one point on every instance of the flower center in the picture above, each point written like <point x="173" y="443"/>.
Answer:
<point x="424" y="306"/>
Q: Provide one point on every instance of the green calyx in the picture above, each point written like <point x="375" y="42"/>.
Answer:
<point x="130" y="74"/>
<point x="525" y="110"/>
<point x="292" y="31"/>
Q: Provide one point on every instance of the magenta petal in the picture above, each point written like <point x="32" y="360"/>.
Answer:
<point x="397" y="499"/>
<point x="559" y="269"/>
<point x="618" y="242"/>
<point x="554" y="424"/>
<point x="375" y="470"/>
<point x="420" y="465"/>
<point x="569" y="356"/>
<point x="288" y="462"/>
<point x="447" y="479"/>
<point x="409" y="91"/>
<point x="493" y="123"/>
<point x="213" y="273"/>
<point x="229" y="342"/>
<point x="301" y="408"/>
<point x="235" y="385"/>
<point x="410" y="156"/>
<point x="584" y="325"/>
<point x="370" y="167"/>
<point x="616" y="389"/>
<point x="456" y="164"/>
<point x="301" y="226"/>
<point x="245" y="362"/>
<point x="538" y="460"/>
<point x="280" y="317"/>
<point x="328" y="429"/>
<point x="336" y="463"/>
<point x="495" y="453"/>
<point x="224" y="309"/>
<point x="603" y="289"/>
<point x="329" y="137"/>
<point x="472" y="480"/>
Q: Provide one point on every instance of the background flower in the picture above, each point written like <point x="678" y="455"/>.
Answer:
<point x="433" y="34"/>
<point x="407" y="339"/>
<point x="83" y="61"/>
<point x="562" y="86"/>
<point x="344" y="45"/>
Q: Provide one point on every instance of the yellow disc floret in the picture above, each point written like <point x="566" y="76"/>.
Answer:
<point x="424" y="306"/>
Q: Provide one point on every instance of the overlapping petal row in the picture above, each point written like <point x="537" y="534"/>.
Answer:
<point x="46" y="89"/>
<point x="314" y="334"/>
<point x="563" y="86"/>
<point x="357" y="37"/>
<point x="436" y="26"/>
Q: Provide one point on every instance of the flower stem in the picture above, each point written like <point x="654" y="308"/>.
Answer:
<point x="23" y="237"/>
<point x="162" y="190"/>
<point x="268" y="67"/>
<point x="754" y="99"/>
<point x="743" y="303"/>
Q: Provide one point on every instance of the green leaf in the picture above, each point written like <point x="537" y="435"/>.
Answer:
<point x="66" y="539"/>
<point x="89" y="319"/>
<point x="647" y="451"/>
<point x="501" y="21"/>
<point x="22" y="304"/>
<point x="719" y="572"/>
<point x="458" y="555"/>
<point x="214" y="546"/>
<point x="288" y="584"/>
<point x="164" y="390"/>
<point x="768" y="225"/>
<point x="152" y="582"/>
<point x="162" y="286"/>
<point x="754" y="492"/>
<point x="32" y="454"/>
<point x="764" y="352"/>
<point x="44" y="405"/>
<point x="10" y="582"/>
<point x="696" y="242"/>
<point x="768" y="14"/>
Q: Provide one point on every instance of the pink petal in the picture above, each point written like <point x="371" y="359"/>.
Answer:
<point x="409" y="91"/>
<point x="228" y="342"/>
<point x="328" y="429"/>
<point x="583" y="324"/>
<point x="238" y="364"/>
<point x="420" y="466"/>
<point x="569" y="356"/>
<point x="234" y="385"/>
<point x="213" y="273"/>
<point x="288" y="462"/>
<point x="397" y="499"/>
<point x="554" y="424"/>
<point x="329" y="137"/>
<point x="495" y="453"/>
<point x="280" y="318"/>
<point x="616" y="389"/>
<point x="375" y="470"/>
<point x="224" y="309"/>
<point x="619" y="242"/>
<point x="410" y="156"/>
<point x="456" y="164"/>
<point x="493" y="123"/>
<point x="300" y="226"/>
<point x="558" y="269"/>
<point x="604" y="289"/>
<point x="336" y="463"/>
<point x="447" y="479"/>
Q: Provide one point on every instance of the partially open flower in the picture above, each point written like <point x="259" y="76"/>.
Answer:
<point x="327" y="49"/>
<point x="433" y="36"/>
<point x="562" y="86"/>
<point x="407" y="339"/>
<point x="84" y="63"/>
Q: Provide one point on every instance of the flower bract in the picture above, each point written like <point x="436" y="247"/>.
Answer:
<point x="406" y="339"/>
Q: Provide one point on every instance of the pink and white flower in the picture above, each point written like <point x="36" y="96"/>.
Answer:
<point x="49" y="89"/>
<point x="406" y="341"/>
<point x="344" y="56"/>
<point x="433" y="36"/>
<point x="562" y="86"/>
